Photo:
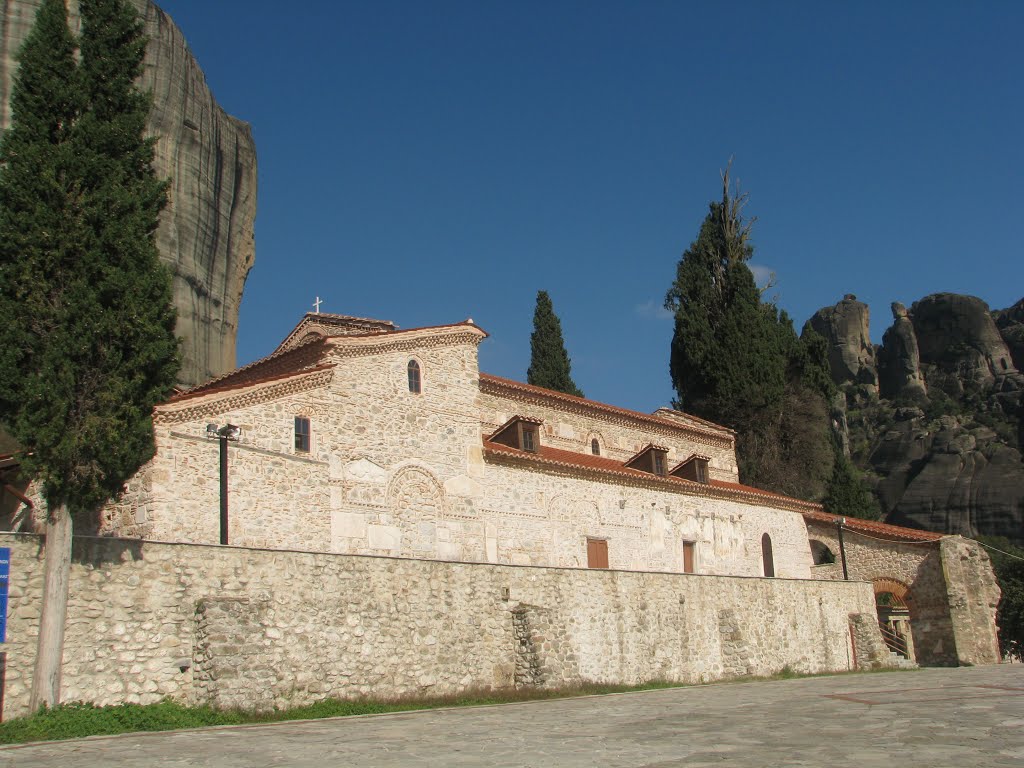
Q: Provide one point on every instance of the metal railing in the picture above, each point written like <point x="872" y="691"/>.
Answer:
<point x="896" y="643"/>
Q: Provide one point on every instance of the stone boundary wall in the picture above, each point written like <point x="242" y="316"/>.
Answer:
<point x="952" y="596"/>
<point x="269" y="628"/>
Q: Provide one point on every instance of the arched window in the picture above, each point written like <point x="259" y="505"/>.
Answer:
<point x="766" y="555"/>
<point x="821" y="554"/>
<point x="415" y="381"/>
<point x="595" y="447"/>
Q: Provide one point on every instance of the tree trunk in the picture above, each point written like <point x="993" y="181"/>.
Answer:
<point x="50" y="650"/>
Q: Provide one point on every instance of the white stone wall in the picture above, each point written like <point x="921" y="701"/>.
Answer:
<point x="264" y="628"/>
<point x="544" y="518"/>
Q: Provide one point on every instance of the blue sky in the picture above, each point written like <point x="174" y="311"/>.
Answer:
<point x="425" y="162"/>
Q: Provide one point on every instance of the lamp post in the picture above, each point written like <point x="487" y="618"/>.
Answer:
<point x="840" y="522"/>
<point x="223" y="434"/>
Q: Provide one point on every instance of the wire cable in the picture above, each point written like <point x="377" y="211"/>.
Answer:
<point x="996" y="549"/>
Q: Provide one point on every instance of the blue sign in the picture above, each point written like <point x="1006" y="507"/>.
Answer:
<point x="5" y="575"/>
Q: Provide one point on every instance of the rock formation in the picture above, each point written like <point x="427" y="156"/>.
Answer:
<point x="899" y="361"/>
<point x="846" y="328"/>
<point x="960" y="346"/>
<point x="206" y="231"/>
<point x="1010" y="323"/>
<point x="942" y="441"/>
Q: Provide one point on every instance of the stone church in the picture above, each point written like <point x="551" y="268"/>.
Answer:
<point x="356" y="437"/>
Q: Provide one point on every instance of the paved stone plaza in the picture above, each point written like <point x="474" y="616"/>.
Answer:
<point x="933" y="717"/>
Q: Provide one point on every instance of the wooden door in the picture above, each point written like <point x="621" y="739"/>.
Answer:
<point x="597" y="553"/>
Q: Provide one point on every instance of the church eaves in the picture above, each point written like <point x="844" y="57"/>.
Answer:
<point x="610" y="470"/>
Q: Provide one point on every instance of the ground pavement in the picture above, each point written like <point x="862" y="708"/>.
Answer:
<point x="934" y="717"/>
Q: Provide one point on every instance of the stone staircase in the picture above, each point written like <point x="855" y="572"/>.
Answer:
<point x="898" y="660"/>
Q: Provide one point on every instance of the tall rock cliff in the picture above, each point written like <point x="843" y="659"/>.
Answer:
<point x="206" y="231"/>
<point x="941" y="439"/>
<point x="846" y="328"/>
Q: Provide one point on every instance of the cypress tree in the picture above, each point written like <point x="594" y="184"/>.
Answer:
<point x="847" y="493"/>
<point x="549" y="362"/>
<point x="736" y="360"/>
<point x="728" y="354"/>
<point x="86" y="320"/>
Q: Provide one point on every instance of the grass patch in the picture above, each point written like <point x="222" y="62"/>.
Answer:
<point x="77" y="720"/>
<point x="73" y="721"/>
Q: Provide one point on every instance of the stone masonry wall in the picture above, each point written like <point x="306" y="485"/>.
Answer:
<point x="972" y="594"/>
<point x="952" y="590"/>
<point x="618" y="437"/>
<point x="395" y="473"/>
<point x="262" y="628"/>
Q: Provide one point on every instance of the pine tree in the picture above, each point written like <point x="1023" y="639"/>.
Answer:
<point x="86" y="320"/>
<point x="549" y="362"/>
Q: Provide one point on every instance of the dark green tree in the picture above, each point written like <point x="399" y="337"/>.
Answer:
<point x="728" y="350"/>
<point x="736" y="359"/>
<point x="847" y="494"/>
<point x="549" y="362"/>
<point x="87" y="343"/>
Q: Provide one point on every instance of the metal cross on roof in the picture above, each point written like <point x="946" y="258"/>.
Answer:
<point x="316" y="305"/>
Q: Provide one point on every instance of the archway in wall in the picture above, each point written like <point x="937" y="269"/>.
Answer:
<point x="892" y="603"/>
<point x="821" y="554"/>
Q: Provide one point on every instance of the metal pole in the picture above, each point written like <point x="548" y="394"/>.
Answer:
<point x="842" y="548"/>
<point x="223" y="489"/>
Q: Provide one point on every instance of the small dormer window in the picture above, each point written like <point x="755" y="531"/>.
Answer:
<point x="530" y="438"/>
<point x="659" y="462"/>
<point x="694" y="468"/>
<point x="653" y="459"/>
<point x="519" y="432"/>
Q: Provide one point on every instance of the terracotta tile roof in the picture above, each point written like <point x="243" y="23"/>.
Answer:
<point x="400" y="331"/>
<point x="713" y="429"/>
<point x="556" y="457"/>
<point x="318" y="323"/>
<point x="305" y="358"/>
<point x="874" y="528"/>
<point x="679" y="416"/>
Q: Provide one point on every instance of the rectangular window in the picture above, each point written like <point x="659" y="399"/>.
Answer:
<point x="302" y="434"/>
<point x="597" y="553"/>
<point x="659" y="462"/>
<point x="529" y="439"/>
<point x="689" y="557"/>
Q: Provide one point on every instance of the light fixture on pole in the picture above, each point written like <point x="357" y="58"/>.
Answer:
<point x="223" y="434"/>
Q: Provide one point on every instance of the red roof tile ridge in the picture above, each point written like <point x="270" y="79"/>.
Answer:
<point x="242" y="384"/>
<point x="400" y="331"/>
<point x="712" y="424"/>
<point x="555" y="394"/>
<point x="273" y="357"/>
<point x="336" y="316"/>
<point x="876" y="526"/>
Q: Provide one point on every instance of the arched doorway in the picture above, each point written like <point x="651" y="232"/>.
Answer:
<point x="893" y="608"/>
